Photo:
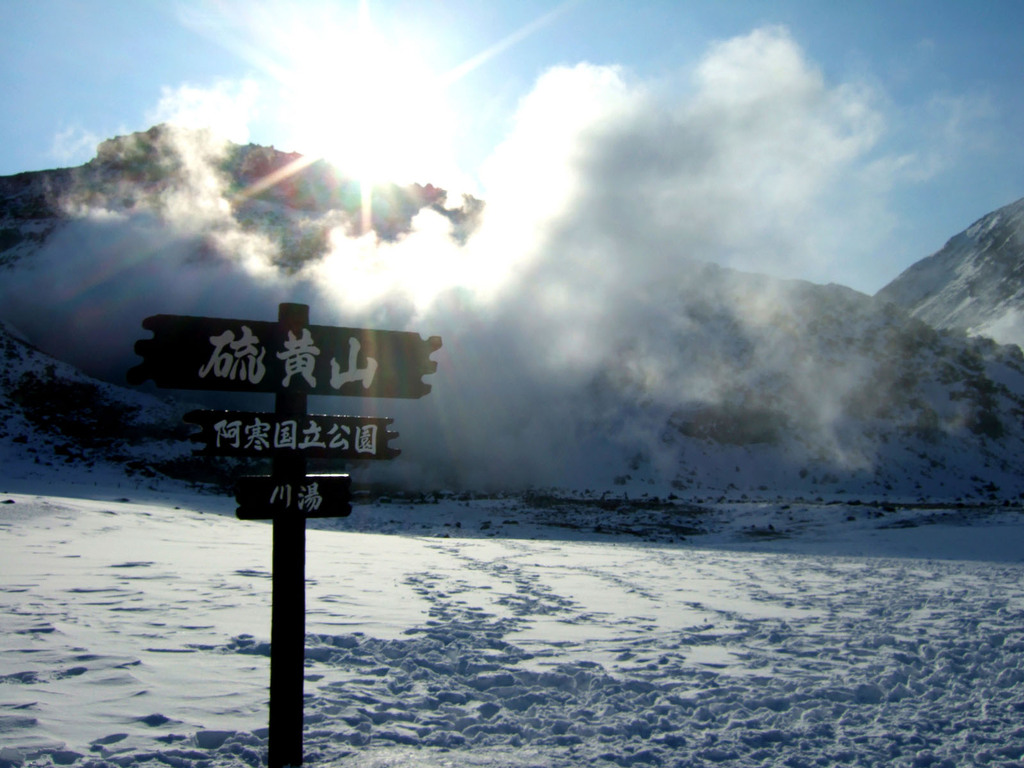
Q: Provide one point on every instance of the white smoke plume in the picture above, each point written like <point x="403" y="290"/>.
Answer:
<point x="585" y="276"/>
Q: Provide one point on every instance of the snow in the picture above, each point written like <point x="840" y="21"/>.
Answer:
<point x="496" y="632"/>
<point x="971" y="283"/>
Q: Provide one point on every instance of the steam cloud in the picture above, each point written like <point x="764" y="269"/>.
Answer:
<point x="585" y="279"/>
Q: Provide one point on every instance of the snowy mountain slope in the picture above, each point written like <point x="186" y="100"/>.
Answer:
<point x="55" y="419"/>
<point x="29" y="211"/>
<point x="974" y="283"/>
<point x="760" y="386"/>
<point x="703" y="383"/>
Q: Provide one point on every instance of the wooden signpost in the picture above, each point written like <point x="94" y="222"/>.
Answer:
<point x="291" y="359"/>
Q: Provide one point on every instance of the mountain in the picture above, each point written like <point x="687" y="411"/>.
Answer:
<point x="297" y="201"/>
<point x="766" y="386"/>
<point x="975" y="282"/>
<point x="53" y="416"/>
<point x="706" y="383"/>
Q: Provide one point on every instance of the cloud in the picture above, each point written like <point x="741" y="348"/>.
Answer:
<point x="72" y="143"/>
<point x="225" y="109"/>
<point x="755" y="169"/>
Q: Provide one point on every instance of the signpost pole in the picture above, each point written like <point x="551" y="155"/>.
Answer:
<point x="288" y="610"/>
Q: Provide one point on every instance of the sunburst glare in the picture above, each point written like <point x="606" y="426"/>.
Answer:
<point x="368" y="105"/>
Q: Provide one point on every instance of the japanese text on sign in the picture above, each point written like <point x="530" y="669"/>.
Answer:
<point x="263" y="498"/>
<point x="235" y="433"/>
<point x="255" y="356"/>
<point x="286" y="435"/>
<point x="242" y="359"/>
<point x="307" y="497"/>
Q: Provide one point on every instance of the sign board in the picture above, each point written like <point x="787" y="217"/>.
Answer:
<point x="291" y="359"/>
<point x="271" y="498"/>
<point x="218" y="354"/>
<point x="315" y="436"/>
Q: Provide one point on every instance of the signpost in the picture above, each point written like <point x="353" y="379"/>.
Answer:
<point x="291" y="359"/>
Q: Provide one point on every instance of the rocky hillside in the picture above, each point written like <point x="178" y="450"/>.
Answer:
<point x="762" y="386"/>
<point x="974" y="283"/>
<point x="292" y="199"/>
<point x="52" y="416"/>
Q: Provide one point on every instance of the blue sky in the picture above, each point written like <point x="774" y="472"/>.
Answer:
<point x="910" y="111"/>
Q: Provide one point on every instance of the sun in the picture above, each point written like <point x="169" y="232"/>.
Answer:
<point x="368" y="105"/>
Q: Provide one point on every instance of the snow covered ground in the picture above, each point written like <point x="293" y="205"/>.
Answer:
<point x="509" y="632"/>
